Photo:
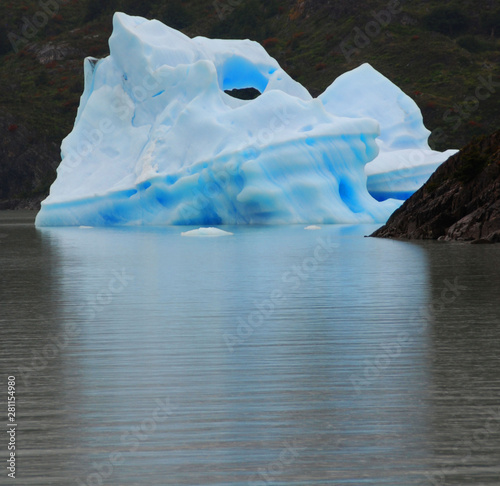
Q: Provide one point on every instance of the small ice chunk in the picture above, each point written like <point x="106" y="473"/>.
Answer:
<point x="207" y="232"/>
<point x="313" y="227"/>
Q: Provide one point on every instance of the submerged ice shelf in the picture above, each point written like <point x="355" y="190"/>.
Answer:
<point x="157" y="140"/>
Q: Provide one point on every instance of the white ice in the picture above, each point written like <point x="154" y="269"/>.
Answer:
<point x="157" y="140"/>
<point x="405" y="160"/>
<point x="207" y="232"/>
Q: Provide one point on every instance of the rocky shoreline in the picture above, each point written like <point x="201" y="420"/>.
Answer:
<point x="460" y="201"/>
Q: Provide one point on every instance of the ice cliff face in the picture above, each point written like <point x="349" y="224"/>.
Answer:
<point x="158" y="141"/>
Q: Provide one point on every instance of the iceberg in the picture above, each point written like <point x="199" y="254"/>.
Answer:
<point x="158" y="139"/>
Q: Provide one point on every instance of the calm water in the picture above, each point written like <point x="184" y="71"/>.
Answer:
<point x="275" y="356"/>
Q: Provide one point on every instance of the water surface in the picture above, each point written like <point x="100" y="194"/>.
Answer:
<point x="274" y="356"/>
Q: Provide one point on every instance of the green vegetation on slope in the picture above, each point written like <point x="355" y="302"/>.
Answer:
<point x="445" y="55"/>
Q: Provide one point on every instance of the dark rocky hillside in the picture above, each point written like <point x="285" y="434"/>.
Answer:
<point x="27" y="165"/>
<point x="446" y="56"/>
<point x="460" y="201"/>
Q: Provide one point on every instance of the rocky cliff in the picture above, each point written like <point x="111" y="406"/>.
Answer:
<point x="460" y="201"/>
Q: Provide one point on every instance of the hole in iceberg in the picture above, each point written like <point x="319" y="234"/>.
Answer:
<point x="244" y="93"/>
<point x="240" y="73"/>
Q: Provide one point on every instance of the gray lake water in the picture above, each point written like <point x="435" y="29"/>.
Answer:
<point x="274" y="356"/>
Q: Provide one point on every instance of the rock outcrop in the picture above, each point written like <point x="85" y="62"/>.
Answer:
<point x="460" y="201"/>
